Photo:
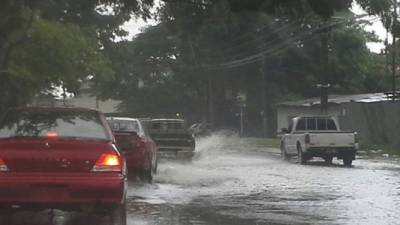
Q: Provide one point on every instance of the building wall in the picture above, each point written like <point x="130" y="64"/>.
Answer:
<point x="377" y="123"/>
<point x="86" y="101"/>
<point x="83" y="101"/>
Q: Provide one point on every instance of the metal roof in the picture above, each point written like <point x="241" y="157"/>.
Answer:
<point x="338" y="99"/>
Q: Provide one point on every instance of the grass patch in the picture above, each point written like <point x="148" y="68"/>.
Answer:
<point x="380" y="149"/>
<point x="262" y="142"/>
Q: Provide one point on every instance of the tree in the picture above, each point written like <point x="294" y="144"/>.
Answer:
<point x="47" y="44"/>
<point x="223" y="45"/>
<point x="56" y="55"/>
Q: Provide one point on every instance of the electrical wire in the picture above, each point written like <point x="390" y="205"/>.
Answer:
<point x="268" y="52"/>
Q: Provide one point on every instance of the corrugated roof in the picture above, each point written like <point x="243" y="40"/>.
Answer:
<point x="338" y="99"/>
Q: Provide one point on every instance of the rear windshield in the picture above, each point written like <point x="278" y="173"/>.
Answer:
<point x="167" y="125"/>
<point x="316" y="124"/>
<point x="124" y="125"/>
<point x="60" y="124"/>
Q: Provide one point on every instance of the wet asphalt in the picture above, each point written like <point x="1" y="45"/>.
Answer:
<point x="231" y="183"/>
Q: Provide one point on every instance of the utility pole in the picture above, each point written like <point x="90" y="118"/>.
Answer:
<point x="324" y="86"/>
<point x="387" y="70"/>
<point x="241" y="121"/>
<point x="211" y="118"/>
<point x="241" y="103"/>
<point x="208" y="88"/>
<point x="394" y="66"/>
<point x="264" y="112"/>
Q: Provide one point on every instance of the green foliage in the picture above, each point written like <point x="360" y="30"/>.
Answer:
<point x="55" y="55"/>
<point x="47" y="44"/>
<point x="70" y="55"/>
<point x="201" y="46"/>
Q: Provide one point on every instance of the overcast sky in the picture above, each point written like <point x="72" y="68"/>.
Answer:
<point x="134" y="27"/>
<point x="377" y="27"/>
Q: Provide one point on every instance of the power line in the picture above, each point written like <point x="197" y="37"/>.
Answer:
<point x="254" y="41"/>
<point x="229" y="45"/>
<point x="273" y="51"/>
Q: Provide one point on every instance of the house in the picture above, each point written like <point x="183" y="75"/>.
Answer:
<point x="109" y="106"/>
<point x="374" y="116"/>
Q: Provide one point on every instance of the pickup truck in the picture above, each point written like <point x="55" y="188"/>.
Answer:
<point x="318" y="136"/>
<point x="172" y="138"/>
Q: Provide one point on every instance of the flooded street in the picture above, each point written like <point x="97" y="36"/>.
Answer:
<point x="231" y="183"/>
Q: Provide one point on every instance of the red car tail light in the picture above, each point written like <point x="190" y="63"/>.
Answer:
<point x="3" y="166"/>
<point x="52" y="134"/>
<point x="108" y="162"/>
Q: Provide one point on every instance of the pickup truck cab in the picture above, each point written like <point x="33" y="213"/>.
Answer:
<point x="61" y="158"/>
<point x="172" y="138"/>
<point x="318" y="136"/>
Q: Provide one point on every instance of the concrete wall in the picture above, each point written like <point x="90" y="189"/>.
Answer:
<point x="377" y="123"/>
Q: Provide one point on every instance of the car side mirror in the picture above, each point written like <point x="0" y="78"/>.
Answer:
<point x="285" y="130"/>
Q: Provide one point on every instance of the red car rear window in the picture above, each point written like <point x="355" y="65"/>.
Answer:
<point x="53" y="123"/>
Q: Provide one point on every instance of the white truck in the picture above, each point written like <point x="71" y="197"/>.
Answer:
<point x="318" y="136"/>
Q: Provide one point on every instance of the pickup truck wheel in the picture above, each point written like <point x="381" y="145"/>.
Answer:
<point x="284" y="155"/>
<point x="302" y="158"/>
<point x="118" y="215"/>
<point x="347" y="161"/>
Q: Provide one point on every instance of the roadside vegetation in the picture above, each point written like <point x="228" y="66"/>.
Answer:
<point x="262" y="142"/>
<point x="380" y="150"/>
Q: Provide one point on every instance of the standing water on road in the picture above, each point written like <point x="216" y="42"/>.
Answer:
<point x="232" y="183"/>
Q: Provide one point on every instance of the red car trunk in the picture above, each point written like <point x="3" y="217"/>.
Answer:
<point x="46" y="155"/>
<point x="59" y="157"/>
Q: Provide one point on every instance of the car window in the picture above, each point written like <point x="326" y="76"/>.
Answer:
<point x="175" y="125"/>
<point x="321" y="124"/>
<point x="290" y="126"/>
<point x="311" y="124"/>
<point x="124" y="125"/>
<point x="63" y="124"/>
<point x="155" y="125"/>
<point x="301" y="125"/>
<point x="331" y="124"/>
<point x="145" y="126"/>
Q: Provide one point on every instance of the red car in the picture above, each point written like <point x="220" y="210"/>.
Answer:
<point x="62" y="158"/>
<point x="137" y="146"/>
